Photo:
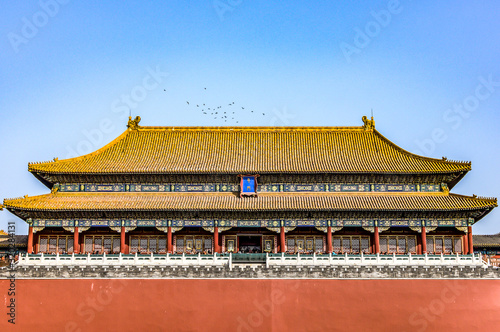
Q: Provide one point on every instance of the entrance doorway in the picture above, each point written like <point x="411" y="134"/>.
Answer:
<point x="250" y="244"/>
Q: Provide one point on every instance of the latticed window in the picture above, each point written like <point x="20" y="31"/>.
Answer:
<point x="116" y="245"/>
<point x="162" y="246"/>
<point x="143" y="243"/>
<point x="365" y="245"/>
<point x="346" y="245"/>
<point x="448" y="245"/>
<point x="208" y="244"/>
<point x="180" y="244"/>
<point x="384" y="247"/>
<point x="438" y="245"/>
<point x="318" y="246"/>
<point x="351" y="244"/>
<point x="98" y="244"/>
<point x="430" y="244"/>
<point x="102" y="244"/>
<point x="134" y="245"/>
<point x="412" y="246"/>
<point x="392" y="245"/>
<point x="153" y="245"/>
<point x="61" y="245"/>
<point x="444" y="244"/>
<point x="290" y="245"/>
<point x="336" y="244"/>
<point x="401" y="245"/>
<point x="43" y="244"/>
<point x="305" y="244"/>
<point x="69" y="244"/>
<point x="52" y="244"/>
<point x="355" y="245"/>
<point x="107" y="245"/>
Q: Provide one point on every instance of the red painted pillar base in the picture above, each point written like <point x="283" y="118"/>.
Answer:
<point x="76" y="245"/>
<point x="30" y="240"/>
<point x="329" y="247"/>
<point x="282" y="240"/>
<point x="377" y="241"/>
<point x="169" y="240"/>
<point x="469" y="234"/>
<point x="424" y="241"/>
<point x="123" y="248"/>
<point x="216" y="239"/>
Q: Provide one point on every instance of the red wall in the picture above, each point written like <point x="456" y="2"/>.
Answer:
<point x="253" y="305"/>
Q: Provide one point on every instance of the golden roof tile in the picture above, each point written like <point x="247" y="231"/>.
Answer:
<point x="231" y="202"/>
<point x="235" y="150"/>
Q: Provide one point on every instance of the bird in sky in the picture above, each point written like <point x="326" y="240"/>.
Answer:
<point x="164" y="90"/>
<point x="187" y="102"/>
<point x="243" y="108"/>
<point x="197" y="105"/>
<point x="205" y="88"/>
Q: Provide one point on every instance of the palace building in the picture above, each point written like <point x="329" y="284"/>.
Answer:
<point x="250" y="190"/>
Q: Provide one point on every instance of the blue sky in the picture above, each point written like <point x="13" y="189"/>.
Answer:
<point x="71" y="70"/>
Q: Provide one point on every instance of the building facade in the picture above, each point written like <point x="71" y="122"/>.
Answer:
<point x="250" y="190"/>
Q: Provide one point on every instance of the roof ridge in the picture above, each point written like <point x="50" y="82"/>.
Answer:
<point x="88" y="155"/>
<point x="442" y="160"/>
<point x="249" y="128"/>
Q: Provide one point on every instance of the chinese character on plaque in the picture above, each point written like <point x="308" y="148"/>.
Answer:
<point x="248" y="185"/>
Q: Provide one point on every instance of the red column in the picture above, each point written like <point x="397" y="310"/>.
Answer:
<point x="465" y="248"/>
<point x="424" y="241"/>
<point x="76" y="245"/>
<point x="216" y="239"/>
<point x="377" y="241"/>
<point x="36" y="240"/>
<point x="122" y="241"/>
<point x="471" y="247"/>
<point x="30" y="240"/>
<point x="329" y="239"/>
<point x="419" y="245"/>
<point x="282" y="239"/>
<point x="169" y="240"/>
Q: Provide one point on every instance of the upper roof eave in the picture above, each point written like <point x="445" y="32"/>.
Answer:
<point x="80" y="165"/>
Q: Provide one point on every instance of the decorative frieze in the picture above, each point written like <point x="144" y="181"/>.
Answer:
<point x="268" y="223"/>
<point x="262" y="187"/>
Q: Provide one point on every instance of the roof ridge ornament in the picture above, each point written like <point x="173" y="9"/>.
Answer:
<point x="133" y="124"/>
<point x="368" y="124"/>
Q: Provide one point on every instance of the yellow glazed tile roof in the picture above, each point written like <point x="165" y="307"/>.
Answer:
<point x="264" y="202"/>
<point x="234" y="150"/>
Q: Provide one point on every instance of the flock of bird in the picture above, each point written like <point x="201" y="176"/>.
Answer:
<point x="229" y="112"/>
